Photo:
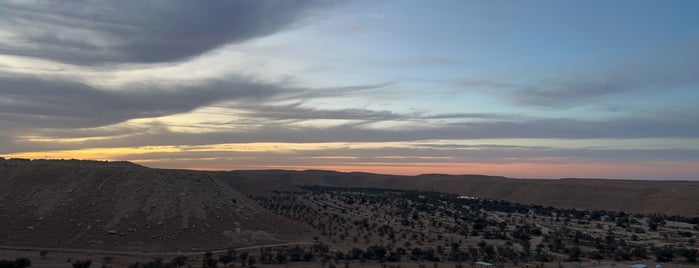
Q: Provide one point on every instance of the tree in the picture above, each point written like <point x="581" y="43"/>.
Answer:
<point x="179" y="260"/>
<point x="307" y="256"/>
<point x="252" y="261"/>
<point x="208" y="261"/>
<point x="107" y="261"/>
<point x="22" y="263"/>
<point x="7" y="264"/>
<point x="157" y="262"/>
<point x="639" y="252"/>
<point x="82" y="264"/>
<point x="43" y="253"/>
<point x="231" y="251"/>
<point x="226" y="259"/>
<point x="653" y="226"/>
<point x="281" y="256"/>
<point x="243" y="258"/>
<point x="689" y="254"/>
<point x="664" y="254"/>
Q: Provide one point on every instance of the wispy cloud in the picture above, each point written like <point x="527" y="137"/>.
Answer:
<point x="66" y="104"/>
<point x="275" y="127"/>
<point x="569" y="94"/>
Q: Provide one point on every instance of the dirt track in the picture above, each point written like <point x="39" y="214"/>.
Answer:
<point x="146" y="254"/>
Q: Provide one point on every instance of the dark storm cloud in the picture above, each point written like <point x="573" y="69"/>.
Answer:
<point x="96" y="32"/>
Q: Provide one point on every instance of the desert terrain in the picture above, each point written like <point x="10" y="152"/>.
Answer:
<point x="118" y="213"/>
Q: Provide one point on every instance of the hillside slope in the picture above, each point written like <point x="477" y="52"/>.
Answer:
<point x="87" y="204"/>
<point x="119" y="205"/>
<point x="666" y="197"/>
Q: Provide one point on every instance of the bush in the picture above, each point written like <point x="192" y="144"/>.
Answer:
<point x="7" y="264"/>
<point x="17" y="263"/>
<point x="179" y="260"/>
<point x="82" y="264"/>
<point x="689" y="254"/>
<point x="664" y="254"/>
<point x="225" y="259"/>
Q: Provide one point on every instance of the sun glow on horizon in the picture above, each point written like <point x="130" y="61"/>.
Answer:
<point x="535" y="90"/>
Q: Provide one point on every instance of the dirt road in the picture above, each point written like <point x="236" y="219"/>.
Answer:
<point x="143" y="254"/>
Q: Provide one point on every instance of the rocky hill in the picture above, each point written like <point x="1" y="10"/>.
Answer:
<point x="89" y="204"/>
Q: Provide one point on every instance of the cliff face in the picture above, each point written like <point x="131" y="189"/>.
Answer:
<point x="88" y="204"/>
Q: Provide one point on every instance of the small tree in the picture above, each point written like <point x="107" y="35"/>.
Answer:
<point x="252" y="261"/>
<point x="7" y="264"/>
<point x="179" y="260"/>
<point x="208" y="261"/>
<point x="22" y="263"/>
<point x="689" y="254"/>
<point x="107" y="261"/>
<point x="225" y="259"/>
<point x="243" y="258"/>
<point x="664" y="254"/>
<point x="82" y="264"/>
<point x="281" y="256"/>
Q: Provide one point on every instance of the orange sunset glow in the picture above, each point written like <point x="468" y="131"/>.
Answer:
<point x="530" y="90"/>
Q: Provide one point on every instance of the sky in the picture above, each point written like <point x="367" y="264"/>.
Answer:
<point x="526" y="89"/>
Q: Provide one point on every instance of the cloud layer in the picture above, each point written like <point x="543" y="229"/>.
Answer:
<point x="119" y="31"/>
<point x="265" y="83"/>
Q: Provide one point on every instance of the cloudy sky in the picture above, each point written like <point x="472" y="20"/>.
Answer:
<point x="531" y="89"/>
